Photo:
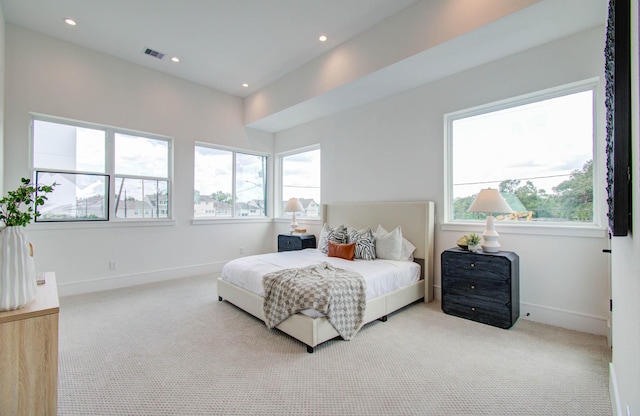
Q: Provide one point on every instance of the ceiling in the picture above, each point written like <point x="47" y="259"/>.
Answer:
<point x="220" y="43"/>
<point x="225" y="43"/>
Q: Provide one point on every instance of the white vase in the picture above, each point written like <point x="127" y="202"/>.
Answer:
<point x="17" y="270"/>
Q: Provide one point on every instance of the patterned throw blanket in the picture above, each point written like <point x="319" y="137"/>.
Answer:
<point x="339" y="294"/>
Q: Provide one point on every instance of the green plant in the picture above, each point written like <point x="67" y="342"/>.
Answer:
<point x="473" y="239"/>
<point x="17" y="208"/>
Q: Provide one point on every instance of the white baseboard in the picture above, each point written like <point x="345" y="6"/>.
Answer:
<point x="577" y="321"/>
<point x="616" y="410"/>
<point x="116" y="282"/>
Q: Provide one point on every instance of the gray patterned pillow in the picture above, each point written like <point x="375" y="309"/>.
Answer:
<point x="365" y="244"/>
<point x="337" y="235"/>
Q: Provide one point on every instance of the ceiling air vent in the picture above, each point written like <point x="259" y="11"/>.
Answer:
<point x="155" y="54"/>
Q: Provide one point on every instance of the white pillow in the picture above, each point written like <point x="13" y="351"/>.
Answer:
<point x="407" y="248"/>
<point x="389" y="244"/>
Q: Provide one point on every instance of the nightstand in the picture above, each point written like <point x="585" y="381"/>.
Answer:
<point x="288" y="242"/>
<point x="483" y="287"/>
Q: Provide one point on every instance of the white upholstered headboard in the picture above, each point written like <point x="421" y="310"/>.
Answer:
<point x="417" y="220"/>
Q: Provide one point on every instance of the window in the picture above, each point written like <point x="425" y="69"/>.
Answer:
<point x="300" y="174"/>
<point x="141" y="166"/>
<point x="228" y="183"/>
<point x="537" y="151"/>
<point x="89" y="160"/>
<point x="76" y="197"/>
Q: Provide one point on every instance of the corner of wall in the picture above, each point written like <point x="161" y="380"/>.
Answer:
<point x="2" y="71"/>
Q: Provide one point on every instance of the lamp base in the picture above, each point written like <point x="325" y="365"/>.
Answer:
<point x="490" y="249"/>
<point x="490" y="237"/>
<point x="294" y="223"/>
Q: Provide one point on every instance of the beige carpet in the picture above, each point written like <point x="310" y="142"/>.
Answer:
<point x="172" y="349"/>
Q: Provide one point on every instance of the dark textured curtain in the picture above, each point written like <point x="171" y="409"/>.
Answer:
<point x="609" y="54"/>
<point x="618" y="117"/>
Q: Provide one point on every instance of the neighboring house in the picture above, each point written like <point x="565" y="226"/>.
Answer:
<point x="311" y="208"/>
<point x="520" y="212"/>
<point x="209" y="207"/>
<point x="205" y="206"/>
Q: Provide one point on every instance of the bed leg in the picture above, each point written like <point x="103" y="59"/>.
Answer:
<point x="383" y="318"/>
<point x="219" y="298"/>
<point x="310" y="349"/>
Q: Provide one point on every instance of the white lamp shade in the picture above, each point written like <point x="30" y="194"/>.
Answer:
<point x="489" y="200"/>
<point x="293" y="206"/>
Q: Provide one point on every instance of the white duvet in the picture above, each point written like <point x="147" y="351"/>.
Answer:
<point x="381" y="276"/>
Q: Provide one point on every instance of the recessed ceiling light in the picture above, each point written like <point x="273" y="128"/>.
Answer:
<point x="70" y="21"/>
<point x="175" y="59"/>
<point x="245" y="85"/>
<point x="322" y="38"/>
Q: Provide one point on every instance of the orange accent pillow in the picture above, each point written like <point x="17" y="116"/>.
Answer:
<point x="344" y="251"/>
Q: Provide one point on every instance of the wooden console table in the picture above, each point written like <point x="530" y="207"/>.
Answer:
<point x="29" y="355"/>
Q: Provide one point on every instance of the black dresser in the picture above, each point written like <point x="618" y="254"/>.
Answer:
<point x="288" y="242"/>
<point x="483" y="287"/>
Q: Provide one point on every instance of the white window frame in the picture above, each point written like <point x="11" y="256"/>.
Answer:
<point x="594" y="229"/>
<point x="233" y="217"/>
<point x="110" y="132"/>
<point x="278" y="193"/>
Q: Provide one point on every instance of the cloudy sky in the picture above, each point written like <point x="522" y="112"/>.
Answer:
<point x="542" y="142"/>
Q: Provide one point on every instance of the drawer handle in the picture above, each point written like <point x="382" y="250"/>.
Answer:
<point x="473" y="286"/>
<point x="473" y="265"/>
<point x="473" y="309"/>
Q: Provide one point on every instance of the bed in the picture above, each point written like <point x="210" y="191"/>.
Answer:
<point x="416" y="220"/>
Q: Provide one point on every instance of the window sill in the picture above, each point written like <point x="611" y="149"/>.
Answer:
<point x="312" y="221"/>
<point x="75" y="225"/>
<point x="229" y="220"/>
<point x="588" y="231"/>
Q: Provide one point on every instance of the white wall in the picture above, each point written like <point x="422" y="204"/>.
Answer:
<point x="2" y="78"/>
<point x="57" y="78"/>
<point x="422" y="26"/>
<point x="625" y="277"/>
<point x="393" y="149"/>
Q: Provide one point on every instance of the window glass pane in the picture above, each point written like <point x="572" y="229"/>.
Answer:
<point x="141" y="198"/>
<point x="250" y="185"/>
<point x="141" y="156"/>
<point x="213" y="182"/>
<point x="301" y="179"/>
<point x="539" y="156"/>
<point x="63" y="147"/>
<point x="76" y="197"/>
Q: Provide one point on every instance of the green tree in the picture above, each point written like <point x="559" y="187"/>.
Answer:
<point x="575" y="195"/>
<point x="571" y="200"/>
<point x="223" y="197"/>
<point x="460" y="207"/>
<point x="508" y="186"/>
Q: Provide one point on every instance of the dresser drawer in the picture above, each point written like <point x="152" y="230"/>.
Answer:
<point x="478" y="287"/>
<point x="295" y="242"/>
<point x="479" y="310"/>
<point x="477" y="265"/>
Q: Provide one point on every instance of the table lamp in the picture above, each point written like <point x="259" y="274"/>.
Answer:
<point x="293" y="206"/>
<point x="490" y="201"/>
